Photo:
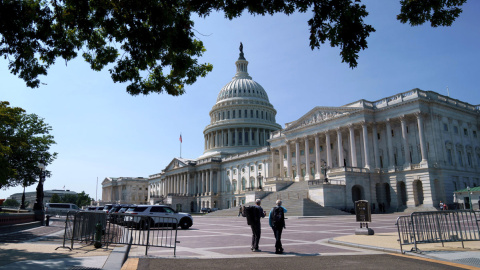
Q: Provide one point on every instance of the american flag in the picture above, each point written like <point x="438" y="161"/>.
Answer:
<point x="181" y="138"/>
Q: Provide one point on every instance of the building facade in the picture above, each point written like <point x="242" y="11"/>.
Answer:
<point x="124" y="190"/>
<point x="31" y="196"/>
<point x="410" y="150"/>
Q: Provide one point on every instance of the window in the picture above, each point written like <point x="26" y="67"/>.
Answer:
<point x="251" y="113"/>
<point x="257" y="114"/>
<point x="465" y="132"/>
<point x="302" y="152"/>
<point x="407" y="129"/>
<point x="285" y="156"/>
<point x="243" y="170"/>
<point x="293" y="154"/>
<point x="228" y="115"/>
<point x="303" y="172"/>
<point x="310" y="150"/>
<point x="312" y="170"/>
<point x="469" y="159"/>
<point x="228" y="173"/>
<point x="393" y="134"/>
<point x="294" y="173"/>
<point x="259" y="166"/>
<point x="262" y="114"/>
<point x="445" y="127"/>
<point x="243" y="183"/>
<point x="475" y="134"/>
<point x="449" y="156"/>
<point x="378" y="136"/>
<point x="460" y="160"/>
<point x="246" y="114"/>
<point x="223" y="115"/>
<point x="321" y="148"/>
<point x="455" y="129"/>
<point x="239" y="113"/>
<point x="234" y="171"/>
<point x="233" y="116"/>
<point x="331" y="146"/>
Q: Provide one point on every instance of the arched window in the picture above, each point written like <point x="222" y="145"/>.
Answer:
<point x="244" y="183"/>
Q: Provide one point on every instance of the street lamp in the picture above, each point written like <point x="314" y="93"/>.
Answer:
<point x="260" y="180"/>
<point x="22" y="206"/>
<point x="38" y="206"/>
<point x="324" y="168"/>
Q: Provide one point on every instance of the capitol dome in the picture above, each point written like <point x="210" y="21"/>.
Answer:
<point x="242" y="118"/>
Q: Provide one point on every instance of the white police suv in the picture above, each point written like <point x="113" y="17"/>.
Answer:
<point x="143" y="216"/>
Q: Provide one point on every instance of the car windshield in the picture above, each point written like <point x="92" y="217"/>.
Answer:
<point x="169" y="210"/>
<point x="131" y="209"/>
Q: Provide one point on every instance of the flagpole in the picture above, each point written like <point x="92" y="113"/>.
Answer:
<point x="180" y="145"/>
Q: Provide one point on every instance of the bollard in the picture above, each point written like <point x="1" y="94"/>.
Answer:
<point x="47" y="221"/>
<point x="98" y="235"/>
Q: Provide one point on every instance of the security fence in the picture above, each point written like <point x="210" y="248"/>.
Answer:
<point x="125" y="229"/>
<point x="438" y="227"/>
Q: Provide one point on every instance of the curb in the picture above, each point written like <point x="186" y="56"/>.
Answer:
<point x="389" y="250"/>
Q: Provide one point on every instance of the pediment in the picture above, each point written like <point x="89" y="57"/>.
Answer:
<point x="175" y="164"/>
<point x="318" y="115"/>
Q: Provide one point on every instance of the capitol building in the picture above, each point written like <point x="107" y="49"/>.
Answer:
<point x="410" y="150"/>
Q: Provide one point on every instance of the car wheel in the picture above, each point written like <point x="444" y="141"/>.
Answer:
<point x="185" y="223"/>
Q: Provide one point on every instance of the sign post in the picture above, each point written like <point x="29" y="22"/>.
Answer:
<point x="363" y="215"/>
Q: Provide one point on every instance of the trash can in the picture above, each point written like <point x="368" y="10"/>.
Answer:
<point x="47" y="220"/>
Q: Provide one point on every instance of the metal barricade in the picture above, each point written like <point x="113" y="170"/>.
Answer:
<point x="125" y="229"/>
<point x="438" y="227"/>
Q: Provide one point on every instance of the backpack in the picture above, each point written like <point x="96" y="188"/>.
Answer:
<point x="250" y="212"/>
<point x="278" y="218"/>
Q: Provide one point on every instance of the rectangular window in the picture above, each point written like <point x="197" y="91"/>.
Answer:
<point x="239" y="113"/>
<point x="257" y="114"/>
<point x="331" y="146"/>
<point x="475" y="134"/>
<point x="455" y="129"/>
<point x="445" y="127"/>
<point x="285" y="156"/>
<point x="449" y="156"/>
<point x="393" y="134"/>
<point x="378" y="136"/>
<point x="469" y="159"/>
<point x="303" y="172"/>
<point x="465" y="132"/>
<point x="259" y="166"/>
<point x="228" y="115"/>
<point x="233" y="116"/>
<point x="310" y="150"/>
<point x="251" y="113"/>
<point x="312" y="171"/>
<point x="460" y="161"/>
<point x="252" y="168"/>
<point x="321" y="148"/>
<point x="293" y="154"/>
<point x="246" y="114"/>
<point x="302" y="152"/>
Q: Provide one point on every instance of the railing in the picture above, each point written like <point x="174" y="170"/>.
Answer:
<point x="437" y="227"/>
<point x="327" y="181"/>
<point x="125" y="229"/>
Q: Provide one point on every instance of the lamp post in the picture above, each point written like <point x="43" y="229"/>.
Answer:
<point x="38" y="206"/>
<point x="260" y="180"/>
<point x="324" y="168"/>
<point x="469" y="198"/>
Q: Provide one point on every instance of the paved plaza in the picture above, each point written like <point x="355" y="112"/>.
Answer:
<point x="221" y="242"/>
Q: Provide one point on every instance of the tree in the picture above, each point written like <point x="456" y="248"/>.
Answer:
<point x="153" y="44"/>
<point x="55" y="198"/>
<point x="80" y="199"/>
<point x="83" y="199"/>
<point x="10" y="203"/>
<point x="24" y="141"/>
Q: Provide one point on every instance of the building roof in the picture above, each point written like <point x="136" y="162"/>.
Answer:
<point x="472" y="189"/>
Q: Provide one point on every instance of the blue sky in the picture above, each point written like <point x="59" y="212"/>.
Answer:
<point x="102" y="131"/>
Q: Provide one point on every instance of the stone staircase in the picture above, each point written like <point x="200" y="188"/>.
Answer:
<point x="294" y="198"/>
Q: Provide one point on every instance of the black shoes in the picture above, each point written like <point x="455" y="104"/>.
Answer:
<point x="255" y="250"/>
<point x="279" y="251"/>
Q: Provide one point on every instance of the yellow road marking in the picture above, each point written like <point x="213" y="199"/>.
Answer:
<point x="436" y="261"/>
<point x="130" y="264"/>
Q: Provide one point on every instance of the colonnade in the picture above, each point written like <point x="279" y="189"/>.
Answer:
<point x="199" y="183"/>
<point x="236" y="137"/>
<point x="324" y="139"/>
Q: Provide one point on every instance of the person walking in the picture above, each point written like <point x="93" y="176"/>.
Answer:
<point x="239" y="210"/>
<point x="276" y="220"/>
<point x="256" y="226"/>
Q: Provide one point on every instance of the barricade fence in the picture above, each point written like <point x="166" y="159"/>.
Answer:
<point x="438" y="227"/>
<point x="124" y="229"/>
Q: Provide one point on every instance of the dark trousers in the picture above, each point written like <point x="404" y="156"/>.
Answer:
<point x="256" y="231"/>
<point x="278" y="238"/>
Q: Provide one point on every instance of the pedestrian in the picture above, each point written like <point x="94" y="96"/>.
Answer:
<point x="441" y="206"/>
<point x="256" y="225"/>
<point x="239" y="210"/>
<point x="276" y="220"/>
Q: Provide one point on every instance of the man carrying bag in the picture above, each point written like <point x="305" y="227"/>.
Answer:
<point x="276" y="219"/>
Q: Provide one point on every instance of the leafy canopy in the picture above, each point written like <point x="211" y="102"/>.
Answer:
<point x="24" y="141"/>
<point x="152" y="42"/>
<point x="80" y="199"/>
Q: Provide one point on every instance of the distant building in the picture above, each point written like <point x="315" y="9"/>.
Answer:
<point x="31" y="196"/>
<point x="124" y="190"/>
<point x="463" y="199"/>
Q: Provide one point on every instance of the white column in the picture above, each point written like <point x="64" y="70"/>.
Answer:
<point x="421" y="134"/>
<point x="272" y="151"/>
<point x="353" y="148"/>
<point x="219" y="182"/>
<point x="317" y="158"/>
<point x="188" y="184"/>
<point x="280" y="155"/>
<point x="341" y="162"/>
<point x="202" y="183"/>
<point x="250" y="140"/>
<point x="297" y="160"/>
<point x="375" y="146"/>
<point x="406" y="146"/>
<point x="210" y="188"/>
<point x="307" y="160"/>
<point x="289" y="161"/>
<point x="329" y="150"/>
<point x="391" y="158"/>
<point x="366" y="146"/>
